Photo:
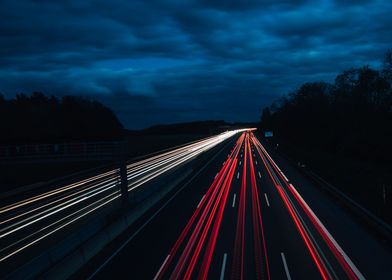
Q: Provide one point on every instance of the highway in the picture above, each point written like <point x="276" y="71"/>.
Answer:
<point x="27" y="222"/>
<point x="244" y="217"/>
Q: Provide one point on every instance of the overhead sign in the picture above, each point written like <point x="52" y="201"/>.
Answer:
<point x="268" y="134"/>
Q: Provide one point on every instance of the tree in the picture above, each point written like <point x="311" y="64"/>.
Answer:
<point x="387" y="66"/>
<point x="352" y="117"/>
<point x="39" y="118"/>
<point x="266" y="119"/>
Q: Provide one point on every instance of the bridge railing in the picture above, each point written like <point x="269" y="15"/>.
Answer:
<point x="71" y="150"/>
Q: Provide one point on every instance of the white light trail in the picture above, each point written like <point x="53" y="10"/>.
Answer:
<point x="30" y="220"/>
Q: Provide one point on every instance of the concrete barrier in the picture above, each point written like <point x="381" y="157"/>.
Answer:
<point x="87" y="250"/>
<point x="63" y="259"/>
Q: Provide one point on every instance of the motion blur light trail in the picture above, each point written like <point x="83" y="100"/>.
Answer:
<point x="261" y="257"/>
<point x="217" y="233"/>
<point x="249" y="239"/>
<point x="28" y="221"/>
<point x="239" y="246"/>
<point x="207" y="219"/>
<point x="210" y="209"/>
<point x="278" y="178"/>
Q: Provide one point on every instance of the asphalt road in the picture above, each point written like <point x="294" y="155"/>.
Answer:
<point x="245" y="217"/>
<point x="30" y="225"/>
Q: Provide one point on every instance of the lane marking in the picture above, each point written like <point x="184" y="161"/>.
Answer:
<point x="222" y="275"/>
<point x="348" y="261"/>
<point x="200" y="201"/>
<point x="337" y="246"/>
<point x="286" y="269"/>
<point x="240" y="162"/>
<point x="238" y="175"/>
<point x="259" y="175"/>
<point x="306" y="235"/>
<point x="256" y="162"/>
<point x="154" y="215"/>
<point x="266" y="199"/>
<point x="234" y="200"/>
<point x="160" y="269"/>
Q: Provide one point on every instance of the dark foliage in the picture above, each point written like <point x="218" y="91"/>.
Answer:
<point x="199" y="127"/>
<point x="351" y="117"/>
<point x="343" y="131"/>
<point x="40" y="118"/>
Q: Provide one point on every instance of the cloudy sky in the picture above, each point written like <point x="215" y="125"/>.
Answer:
<point x="165" y="61"/>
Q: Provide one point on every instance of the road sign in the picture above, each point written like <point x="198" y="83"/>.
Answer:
<point x="268" y="134"/>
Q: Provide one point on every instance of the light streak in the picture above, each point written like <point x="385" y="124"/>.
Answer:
<point x="30" y="220"/>
<point x="349" y="267"/>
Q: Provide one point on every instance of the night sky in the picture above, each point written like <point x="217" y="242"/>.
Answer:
<point x="176" y="60"/>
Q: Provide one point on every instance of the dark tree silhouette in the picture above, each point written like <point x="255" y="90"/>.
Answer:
<point x="387" y="66"/>
<point x="343" y="130"/>
<point x="352" y="117"/>
<point x="41" y="118"/>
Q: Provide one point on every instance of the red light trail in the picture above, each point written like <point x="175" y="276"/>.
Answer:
<point x="200" y="235"/>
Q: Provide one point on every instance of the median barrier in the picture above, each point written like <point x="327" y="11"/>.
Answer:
<point x="66" y="257"/>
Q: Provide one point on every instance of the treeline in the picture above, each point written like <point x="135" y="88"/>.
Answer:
<point x="39" y="118"/>
<point x="197" y="127"/>
<point x="351" y="117"/>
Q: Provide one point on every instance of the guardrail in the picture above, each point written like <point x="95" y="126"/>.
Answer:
<point x="28" y="222"/>
<point x="367" y="218"/>
<point x="61" y="151"/>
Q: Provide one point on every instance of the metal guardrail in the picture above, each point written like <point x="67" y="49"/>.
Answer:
<point x="82" y="150"/>
<point x="27" y="221"/>
<point x="365" y="216"/>
<point x="83" y="174"/>
<point x="73" y="205"/>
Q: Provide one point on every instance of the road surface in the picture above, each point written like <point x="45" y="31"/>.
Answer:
<point x="243" y="217"/>
<point x="27" y="223"/>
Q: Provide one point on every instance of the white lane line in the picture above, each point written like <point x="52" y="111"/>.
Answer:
<point x="152" y="217"/>
<point x="256" y="162"/>
<point x="234" y="200"/>
<point x="337" y="246"/>
<point x="259" y="175"/>
<point x="200" y="201"/>
<point x="238" y="175"/>
<point x="286" y="269"/>
<point x="266" y="199"/>
<point x="160" y="269"/>
<point x="222" y="275"/>
<point x="240" y="162"/>
<point x="340" y="250"/>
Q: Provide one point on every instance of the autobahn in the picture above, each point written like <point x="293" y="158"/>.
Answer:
<point x="245" y="214"/>
<point x="29" y="221"/>
<point x="245" y="217"/>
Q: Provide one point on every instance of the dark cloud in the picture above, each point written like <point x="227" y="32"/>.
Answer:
<point x="169" y="61"/>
